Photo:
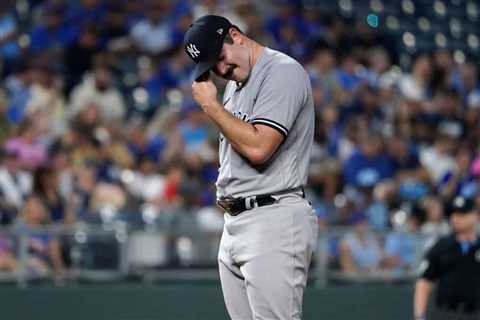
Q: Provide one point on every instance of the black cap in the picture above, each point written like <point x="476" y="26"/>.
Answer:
<point x="461" y="205"/>
<point x="203" y="42"/>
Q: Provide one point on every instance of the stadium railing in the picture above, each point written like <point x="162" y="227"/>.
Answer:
<point x="118" y="252"/>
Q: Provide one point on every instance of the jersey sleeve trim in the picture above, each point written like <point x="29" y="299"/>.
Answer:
<point x="272" y="124"/>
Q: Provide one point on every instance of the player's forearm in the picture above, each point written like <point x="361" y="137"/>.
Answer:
<point x="244" y="137"/>
<point x="423" y="288"/>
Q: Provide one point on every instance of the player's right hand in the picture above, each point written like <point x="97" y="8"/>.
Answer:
<point x="204" y="93"/>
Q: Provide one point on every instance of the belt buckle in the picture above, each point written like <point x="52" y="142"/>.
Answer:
<point x="228" y="204"/>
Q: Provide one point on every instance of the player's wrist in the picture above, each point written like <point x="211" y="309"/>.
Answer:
<point x="213" y="108"/>
<point x="210" y="104"/>
<point x="420" y="317"/>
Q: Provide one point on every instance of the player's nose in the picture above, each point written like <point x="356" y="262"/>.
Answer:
<point x="220" y="68"/>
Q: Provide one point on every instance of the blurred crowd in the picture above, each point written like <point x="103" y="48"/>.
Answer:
<point x="97" y="123"/>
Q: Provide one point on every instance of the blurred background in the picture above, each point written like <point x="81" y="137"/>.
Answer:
<point x="107" y="166"/>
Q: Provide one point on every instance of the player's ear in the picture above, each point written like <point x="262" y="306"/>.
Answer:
<point x="236" y="35"/>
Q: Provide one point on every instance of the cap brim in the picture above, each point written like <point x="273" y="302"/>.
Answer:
<point x="201" y="68"/>
<point x="463" y="211"/>
<point x="459" y="211"/>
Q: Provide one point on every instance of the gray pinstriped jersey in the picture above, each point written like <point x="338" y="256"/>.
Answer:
<point x="277" y="94"/>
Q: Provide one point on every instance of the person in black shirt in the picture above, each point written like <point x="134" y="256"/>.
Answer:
<point x="453" y="263"/>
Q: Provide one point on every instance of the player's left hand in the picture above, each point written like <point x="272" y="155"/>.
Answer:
<point x="204" y="93"/>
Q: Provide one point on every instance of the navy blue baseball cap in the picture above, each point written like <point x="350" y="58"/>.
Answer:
<point x="203" y="42"/>
<point x="461" y="205"/>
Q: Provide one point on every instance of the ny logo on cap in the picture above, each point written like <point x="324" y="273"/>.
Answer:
<point x="193" y="51"/>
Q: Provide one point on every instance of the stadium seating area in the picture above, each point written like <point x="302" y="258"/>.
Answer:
<point x="98" y="126"/>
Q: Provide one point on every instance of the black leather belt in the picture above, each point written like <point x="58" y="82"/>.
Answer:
<point x="235" y="206"/>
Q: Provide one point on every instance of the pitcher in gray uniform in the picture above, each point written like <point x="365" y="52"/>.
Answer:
<point x="266" y="124"/>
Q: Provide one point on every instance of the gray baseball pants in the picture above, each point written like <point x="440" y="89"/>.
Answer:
<point x="264" y="257"/>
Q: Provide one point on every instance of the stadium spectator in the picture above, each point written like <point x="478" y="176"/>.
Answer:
<point x="15" y="185"/>
<point x="368" y="162"/>
<point x="415" y="85"/>
<point x="60" y="163"/>
<point x="114" y="32"/>
<point x="78" y="58"/>
<point x="147" y="184"/>
<point x="152" y="33"/>
<point x="55" y="33"/>
<point x="18" y="88"/>
<point x="254" y="24"/>
<point x="6" y="127"/>
<point x="405" y="159"/>
<point x="31" y="153"/>
<point x="44" y="254"/>
<point x="466" y="81"/>
<point x="223" y="8"/>
<point x="9" y="29"/>
<point x="98" y="89"/>
<point x="360" y="250"/>
<point x="437" y="158"/>
<point x="326" y="89"/>
<point x="85" y="12"/>
<point x="458" y="180"/>
<point x="8" y="262"/>
<point x="347" y="76"/>
<point x="46" y="104"/>
<point x="401" y="246"/>
<point x="46" y="187"/>
<point x="435" y="224"/>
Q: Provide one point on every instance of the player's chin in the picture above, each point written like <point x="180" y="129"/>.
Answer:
<point x="235" y="75"/>
<point x="230" y="76"/>
<point x="224" y="76"/>
<point x="238" y="77"/>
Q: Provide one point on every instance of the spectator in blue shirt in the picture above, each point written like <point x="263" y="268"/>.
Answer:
<point x="401" y="246"/>
<point x="291" y="41"/>
<point x="193" y="128"/>
<point x="115" y="25"/>
<point x="140" y="145"/>
<point x="85" y="12"/>
<point x="346" y="74"/>
<point x="286" y="12"/>
<point x="404" y="157"/>
<point x="55" y="32"/>
<point x="457" y="177"/>
<point x="360" y="250"/>
<point x="366" y="106"/>
<point x="184" y="19"/>
<point x="465" y="80"/>
<point x="9" y="49"/>
<point x="19" y="91"/>
<point x="369" y="157"/>
<point x="153" y="34"/>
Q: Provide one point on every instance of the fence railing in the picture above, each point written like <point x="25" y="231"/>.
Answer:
<point x="120" y="252"/>
<point x="345" y="256"/>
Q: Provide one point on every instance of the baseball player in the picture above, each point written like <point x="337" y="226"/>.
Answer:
<point x="266" y="124"/>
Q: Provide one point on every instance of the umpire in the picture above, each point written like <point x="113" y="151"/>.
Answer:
<point x="454" y="264"/>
